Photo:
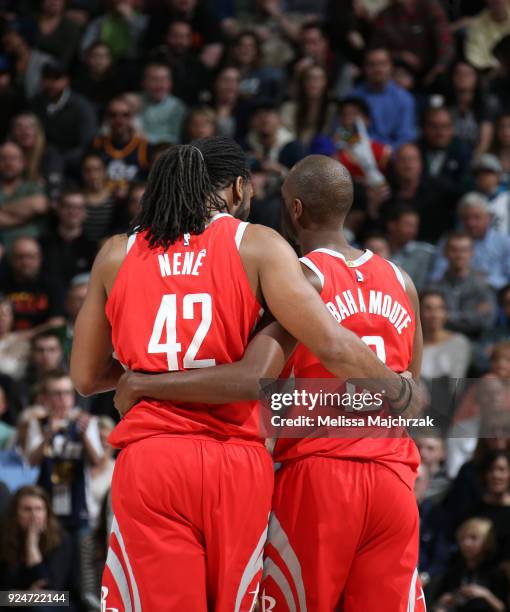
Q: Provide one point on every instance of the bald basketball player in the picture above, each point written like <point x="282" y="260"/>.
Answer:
<point x="344" y="528"/>
<point x="192" y="485"/>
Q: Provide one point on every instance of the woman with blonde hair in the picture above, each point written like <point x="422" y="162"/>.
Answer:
<point x="41" y="162"/>
<point x="200" y="122"/>
<point x="35" y="552"/>
<point x="473" y="582"/>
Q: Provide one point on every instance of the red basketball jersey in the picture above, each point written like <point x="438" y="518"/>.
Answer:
<point x="190" y="306"/>
<point x="368" y="297"/>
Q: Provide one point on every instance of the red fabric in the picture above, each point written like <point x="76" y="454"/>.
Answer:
<point x="343" y="535"/>
<point x="373" y="285"/>
<point x="182" y="538"/>
<point x="209" y="312"/>
<point x="381" y="154"/>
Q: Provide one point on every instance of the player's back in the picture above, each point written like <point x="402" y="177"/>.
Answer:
<point x="190" y="306"/>
<point x="368" y="297"/>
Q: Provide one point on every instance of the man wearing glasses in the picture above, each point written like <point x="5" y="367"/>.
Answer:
<point x="63" y="441"/>
<point x="126" y="154"/>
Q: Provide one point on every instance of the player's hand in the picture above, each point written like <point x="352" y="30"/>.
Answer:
<point x="127" y="394"/>
<point x="411" y="406"/>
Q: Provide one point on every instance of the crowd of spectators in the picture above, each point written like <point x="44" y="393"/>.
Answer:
<point x="413" y="96"/>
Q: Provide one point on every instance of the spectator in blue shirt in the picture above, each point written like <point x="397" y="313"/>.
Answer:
<point x="491" y="249"/>
<point x="392" y="108"/>
<point x="15" y="470"/>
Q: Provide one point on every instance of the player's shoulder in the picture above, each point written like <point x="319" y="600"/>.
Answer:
<point x="264" y="240"/>
<point x="113" y="251"/>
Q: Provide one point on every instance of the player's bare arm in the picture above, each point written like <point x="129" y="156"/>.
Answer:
<point x="297" y="306"/>
<point x="264" y="358"/>
<point x="93" y="367"/>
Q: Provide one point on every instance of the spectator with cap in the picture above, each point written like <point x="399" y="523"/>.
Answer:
<point x="36" y="299"/>
<point x="416" y="31"/>
<point x="162" y="113"/>
<point x="491" y="249"/>
<point x="444" y="155"/>
<point x="471" y="303"/>
<point x="484" y="31"/>
<point x="27" y="62"/>
<point x="68" y="119"/>
<point x="66" y="250"/>
<point x="415" y="257"/>
<point x="22" y="202"/>
<point x="392" y="109"/>
<point x="125" y="152"/>
<point x="487" y="172"/>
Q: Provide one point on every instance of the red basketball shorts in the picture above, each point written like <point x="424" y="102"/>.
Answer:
<point x="343" y="536"/>
<point x="190" y="524"/>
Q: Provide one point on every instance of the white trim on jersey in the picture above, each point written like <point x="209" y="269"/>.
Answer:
<point x="218" y="216"/>
<point x="354" y="263"/>
<point x="398" y="273"/>
<point x="130" y="242"/>
<point x="241" y="228"/>
<point x="309" y="264"/>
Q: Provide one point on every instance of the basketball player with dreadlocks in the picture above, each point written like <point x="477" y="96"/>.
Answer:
<point x="192" y="487"/>
<point x="344" y="529"/>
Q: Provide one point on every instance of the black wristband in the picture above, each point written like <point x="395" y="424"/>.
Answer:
<point x="408" y="386"/>
<point x="402" y="391"/>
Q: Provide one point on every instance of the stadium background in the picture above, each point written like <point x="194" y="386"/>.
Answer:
<point x="412" y="95"/>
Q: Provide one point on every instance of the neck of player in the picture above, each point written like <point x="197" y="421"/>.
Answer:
<point x="321" y="238"/>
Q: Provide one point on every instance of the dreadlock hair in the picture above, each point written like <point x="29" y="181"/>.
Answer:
<point x="183" y="187"/>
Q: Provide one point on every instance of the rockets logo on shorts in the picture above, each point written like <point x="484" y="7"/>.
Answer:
<point x="267" y="602"/>
<point x="104" y="595"/>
